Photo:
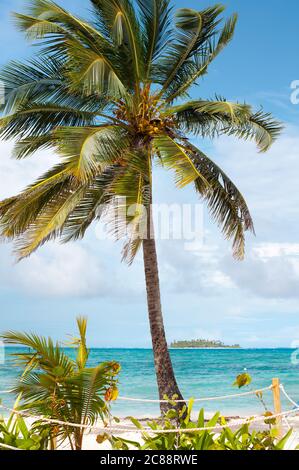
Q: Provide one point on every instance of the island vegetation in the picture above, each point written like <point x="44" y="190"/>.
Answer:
<point x="202" y="343"/>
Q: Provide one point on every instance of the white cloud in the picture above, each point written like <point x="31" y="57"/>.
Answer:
<point x="74" y="270"/>
<point x="61" y="270"/>
<point x="17" y="174"/>
<point x="183" y="271"/>
<point x="269" y="271"/>
<point x="271" y="250"/>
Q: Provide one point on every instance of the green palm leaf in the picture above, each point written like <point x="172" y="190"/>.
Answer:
<point x="44" y="353"/>
<point x="48" y="223"/>
<point x="43" y="81"/>
<point x="175" y="157"/>
<point x="195" y="30"/>
<point x="39" y="119"/>
<point x="214" y="118"/>
<point x="260" y="127"/>
<point x="88" y="209"/>
<point x="120" y="21"/>
<point x="18" y="213"/>
<point x="131" y="186"/>
<point x="39" y="28"/>
<point x="89" y="150"/>
<point x="93" y="74"/>
<point x="156" y="24"/>
<point x="191" y="72"/>
<point x="66" y="34"/>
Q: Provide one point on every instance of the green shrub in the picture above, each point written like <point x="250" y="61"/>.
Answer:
<point x="15" y="432"/>
<point x="223" y="439"/>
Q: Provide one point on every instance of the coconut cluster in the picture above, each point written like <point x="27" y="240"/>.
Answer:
<point x="145" y="119"/>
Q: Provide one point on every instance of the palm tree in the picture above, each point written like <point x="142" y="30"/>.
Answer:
<point x="108" y="96"/>
<point x="55" y="386"/>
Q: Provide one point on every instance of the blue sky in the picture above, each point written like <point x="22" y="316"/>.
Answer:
<point x="205" y="294"/>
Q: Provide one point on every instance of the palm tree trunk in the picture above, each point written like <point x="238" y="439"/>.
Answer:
<point x="167" y="384"/>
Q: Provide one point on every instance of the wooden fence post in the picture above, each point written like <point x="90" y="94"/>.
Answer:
<point x="277" y="404"/>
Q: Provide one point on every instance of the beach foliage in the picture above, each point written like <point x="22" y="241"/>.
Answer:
<point x="222" y="438"/>
<point x="54" y="385"/>
<point x="16" y="432"/>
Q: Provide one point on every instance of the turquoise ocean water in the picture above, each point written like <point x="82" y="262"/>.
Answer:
<point x="200" y="373"/>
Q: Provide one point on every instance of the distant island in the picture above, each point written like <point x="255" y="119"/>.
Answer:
<point x="202" y="343"/>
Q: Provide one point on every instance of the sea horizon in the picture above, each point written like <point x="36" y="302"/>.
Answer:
<point x="203" y="373"/>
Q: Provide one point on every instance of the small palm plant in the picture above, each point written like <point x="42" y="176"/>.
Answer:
<point x="110" y="97"/>
<point x="55" y="386"/>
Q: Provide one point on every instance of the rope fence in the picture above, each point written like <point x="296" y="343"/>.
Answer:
<point x="276" y="387"/>
<point x="124" y="428"/>
<point x="196" y="400"/>
<point x="288" y="396"/>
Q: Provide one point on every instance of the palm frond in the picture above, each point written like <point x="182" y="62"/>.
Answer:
<point x="235" y="112"/>
<point x="40" y="27"/>
<point x="89" y="150"/>
<point x="260" y="127"/>
<point x="92" y="73"/>
<point x="6" y="204"/>
<point x="82" y="353"/>
<point x="121" y="22"/>
<point x="26" y="147"/>
<point x="65" y="32"/>
<point x="213" y="118"/>
<point x="49" y="221"/>
<point x="128" y="208"/>
<point x="224" y="200"/>
<point x="173" y="156"/>
<point x="45" y="354"/>
<point x="42" y="80"/>
<point x="198" y="67"/>
<point x="155" y="16"/>
<point x="39" y="119"/>
<point x="18" y="213"/>
<point x="41" y="10"/>
<point x="45" y="210"/>
<point x="97" y="194"/>
<point x="27" y="81"/>
<point x="93" y="382"/>
<point x="194" y="31"/>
